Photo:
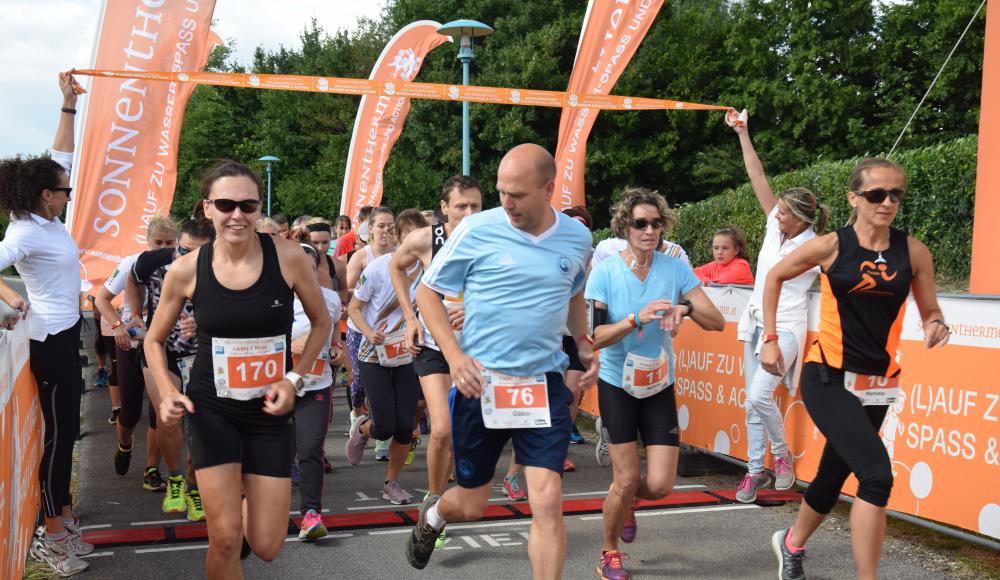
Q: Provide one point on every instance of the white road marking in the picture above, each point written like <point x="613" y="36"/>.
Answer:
<point x="407" y="529"/>
<point x="721" y="508"/>
<point x="173" y="549"/>
<point x="95" y="527"/>
<point x="98" y="554"/>
<point x="158" y="522"/>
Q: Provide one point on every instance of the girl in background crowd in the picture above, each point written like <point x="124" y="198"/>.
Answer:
<point x="793" y="218"/>
<point x="160" y="233"/>
<point x="381" y="241"/>
<point x="386" y="364"/>
<point x="731" y="263"/>
<point x="313" y="408"/>
<point x="34" y="193"/>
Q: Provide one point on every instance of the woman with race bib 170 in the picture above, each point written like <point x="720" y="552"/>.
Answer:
<point x="851" y="373"/>
<point x="243" y="384"/>
<point x="639" y="298"/>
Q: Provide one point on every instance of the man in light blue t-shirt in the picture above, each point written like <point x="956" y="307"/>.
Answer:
<point x="520" y="269"/>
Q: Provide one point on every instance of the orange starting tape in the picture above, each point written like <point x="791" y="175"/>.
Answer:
<point x="345" y="86"/>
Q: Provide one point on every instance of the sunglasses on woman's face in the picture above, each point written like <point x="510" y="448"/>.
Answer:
<point x="230" y="205"/>
<point x="642" y="224"/>
<point x="67" y="190"/>
<point x="877" y="196"/>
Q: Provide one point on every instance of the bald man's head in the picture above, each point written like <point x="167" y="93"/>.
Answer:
<point x="525" y="181"/>
<point x="530" y="159"/>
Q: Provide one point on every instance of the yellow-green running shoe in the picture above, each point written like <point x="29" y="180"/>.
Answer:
<point x="173" y="501"/>
<point x="413" y="450"/>
<point x="196" y="511"/>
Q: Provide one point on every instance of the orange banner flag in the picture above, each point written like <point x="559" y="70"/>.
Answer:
<point x="985" y="276"/>
<point x="612" y="31"/>
<point x="381" y="117"/>
<point x="127" y="165"/>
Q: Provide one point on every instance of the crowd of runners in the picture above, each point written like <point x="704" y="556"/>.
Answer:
<point x="469" y="329"/>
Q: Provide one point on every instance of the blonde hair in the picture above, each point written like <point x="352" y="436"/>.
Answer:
<point x="161" y="224"/>
<point x="739" y="240"/>
<point x="265" y="222"/>
<point x="621" y="215"/>
<point x="804" y="205"/>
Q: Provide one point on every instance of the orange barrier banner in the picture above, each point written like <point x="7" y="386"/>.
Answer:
<point x="20" y="451"/>
<point x="942" y="435"/>
<point x="127" y="165"/>
<point x="380" y="118"/>
<point x="612" y="31"/>
<point x="985" y="276"/>
<point x="345" y="86"/>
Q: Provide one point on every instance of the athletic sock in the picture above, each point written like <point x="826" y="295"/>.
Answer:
<point x="175" y="473"/>
<point x="788" y="543"/>
<point x="56" y="537"/>
<point x="69" y="522"/>
<point x="434" y="518"/>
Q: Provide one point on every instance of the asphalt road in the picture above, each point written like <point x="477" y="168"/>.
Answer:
<point x="722" y="540"/>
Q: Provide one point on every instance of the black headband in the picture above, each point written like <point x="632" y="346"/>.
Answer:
<point x="318" y="228"/>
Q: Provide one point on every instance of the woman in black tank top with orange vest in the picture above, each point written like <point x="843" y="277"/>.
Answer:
<point x="237" y="405"/>
<point x="851" y="373"/>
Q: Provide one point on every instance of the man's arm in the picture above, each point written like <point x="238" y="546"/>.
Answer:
<point x="414" y="248"/>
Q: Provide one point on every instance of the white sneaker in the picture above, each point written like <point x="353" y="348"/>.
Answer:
<point x="59" y="555"/>
<point x="80" y="547"/>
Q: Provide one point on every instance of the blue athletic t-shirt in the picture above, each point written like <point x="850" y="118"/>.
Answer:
<point x="515" y="286"/>
<point x="614" y="284"/>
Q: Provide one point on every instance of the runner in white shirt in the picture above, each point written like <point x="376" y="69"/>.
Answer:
<point x="34" y="193"/>
<point x="793" y="218"/>
<point x="377" y="234"/>
<point x="160" y="233"/>
<point x="386" y="364"/>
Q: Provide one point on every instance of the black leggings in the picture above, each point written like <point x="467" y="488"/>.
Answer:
<point x="853" y="444"/>
<point x="392" y="394"/>
<point x="132" y="388"/>
<point x="111" y="351"/>
<point x="55" y="362"/>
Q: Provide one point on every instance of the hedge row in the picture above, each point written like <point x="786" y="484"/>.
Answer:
<point x="938" y="207"/>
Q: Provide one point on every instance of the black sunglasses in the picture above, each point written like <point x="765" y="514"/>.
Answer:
<point x="230" y="205"/>
<point x="67" y="190"/>
<point x="641" y="224"/>
<point x="877" y="196"/>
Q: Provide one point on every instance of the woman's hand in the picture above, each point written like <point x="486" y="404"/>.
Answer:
<point x="771" y="359"/>
<point x="456" y="316"/>
<point x="378" y="335"/>
<point x="122" y="338"/>
<point x="280" y="398"/>
<point x="189" y="328"/>
<point x="738" y="121"/>
<point x="173" y="407"/>
<point x="936" y="334"/>
<point x="69" y="88"/>
<point x="338" y="355"/>
<point x="653" y="310"/>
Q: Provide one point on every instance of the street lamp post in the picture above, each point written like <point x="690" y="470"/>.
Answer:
<point x="465" y="31"/>
<point x="269" y="159"/>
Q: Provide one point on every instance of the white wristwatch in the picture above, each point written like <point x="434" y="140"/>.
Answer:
<point x="297" y="382"/>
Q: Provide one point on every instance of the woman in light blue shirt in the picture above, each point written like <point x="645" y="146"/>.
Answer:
<point x="639" y="297"/>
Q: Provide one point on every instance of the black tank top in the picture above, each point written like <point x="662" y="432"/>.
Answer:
<point x="264" y="309"/>
<point x="439" y="235"/>
<point x="862" y="304"/>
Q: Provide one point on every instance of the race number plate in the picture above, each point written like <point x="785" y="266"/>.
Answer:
<point x="244" y="368"/>
<point x="510" y="402"/>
